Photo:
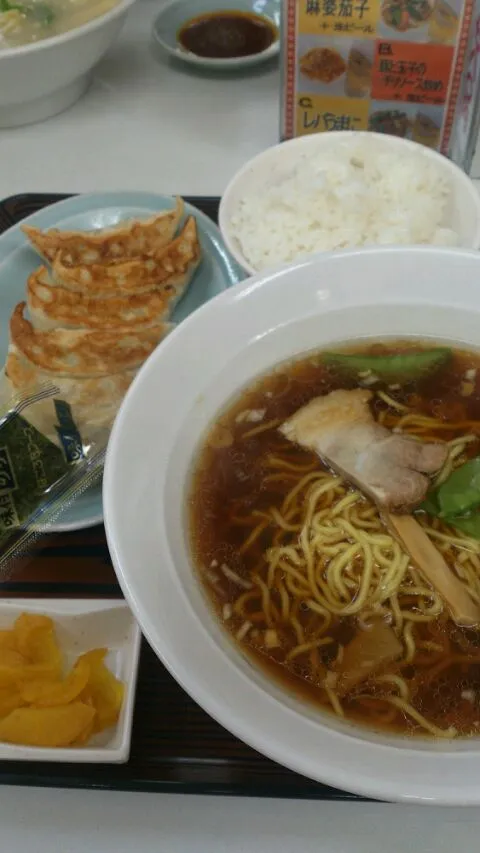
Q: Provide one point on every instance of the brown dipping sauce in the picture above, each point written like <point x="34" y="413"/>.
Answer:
<point x="227" y="34"/>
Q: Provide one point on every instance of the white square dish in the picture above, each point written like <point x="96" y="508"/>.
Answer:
<point x="81" y="625"/>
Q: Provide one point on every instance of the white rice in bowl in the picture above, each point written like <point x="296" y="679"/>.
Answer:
<point x="355" y="194"/>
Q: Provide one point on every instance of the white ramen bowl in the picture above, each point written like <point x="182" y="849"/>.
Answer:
<point x="42" y="79"/>
<point x="462" y="212"/>
<point x="192" y="375"/>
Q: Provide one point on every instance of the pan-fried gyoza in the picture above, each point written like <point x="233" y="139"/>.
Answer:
<point x="97" y="310"/>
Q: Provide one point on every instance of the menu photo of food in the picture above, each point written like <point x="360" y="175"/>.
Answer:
<point x="405" y="15"/>
<point x="425" y="129"/>
<point x="444" y="22"/>
<point x="343" y="68"/>
<point x="421" y="123"/>
<point x="322" y="64"/>
<point x="358" y="78"/>
<point x="406" y="20"/>
<point x="434" y="21"/>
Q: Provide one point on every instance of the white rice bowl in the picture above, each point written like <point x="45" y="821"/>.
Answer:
<point x="339" y="190"/>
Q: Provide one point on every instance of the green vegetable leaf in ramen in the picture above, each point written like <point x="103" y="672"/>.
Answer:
<point x="467" y="524"/>
<point x="460" y="493"/>
<point x="402" y="367"/>
<point x="430" y="504"/>
<point x="457" y="500"/>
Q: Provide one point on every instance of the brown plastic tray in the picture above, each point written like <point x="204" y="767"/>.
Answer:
<point x="175" y="746"/>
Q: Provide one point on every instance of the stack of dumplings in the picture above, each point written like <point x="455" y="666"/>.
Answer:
<point x="98" y="309"/>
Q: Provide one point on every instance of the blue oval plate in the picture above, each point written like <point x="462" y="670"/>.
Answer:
<point x="90" y="212"/>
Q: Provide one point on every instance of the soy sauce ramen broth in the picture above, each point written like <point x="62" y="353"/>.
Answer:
<point x="28" y="21"/>
<point x="244" y="471"/>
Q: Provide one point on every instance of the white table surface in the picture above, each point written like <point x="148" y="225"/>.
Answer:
<point x="146" y="124"/>
<point x="40" y="821"/>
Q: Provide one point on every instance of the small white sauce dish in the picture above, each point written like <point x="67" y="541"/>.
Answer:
<point x="178" y="12"/>
<point x="82" y="625"/>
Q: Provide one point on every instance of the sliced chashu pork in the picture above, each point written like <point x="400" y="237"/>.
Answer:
<point x="391" y="470"/>
<point x="172" y="268"/>
<point x="126" y="240"/>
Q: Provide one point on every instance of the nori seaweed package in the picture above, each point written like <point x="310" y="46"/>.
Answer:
<point x="45" y="463"/>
